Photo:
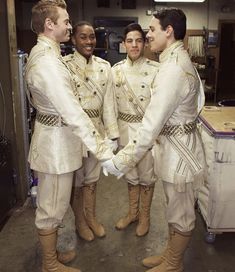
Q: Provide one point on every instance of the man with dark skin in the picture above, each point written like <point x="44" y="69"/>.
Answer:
<point x="94" y="92"/>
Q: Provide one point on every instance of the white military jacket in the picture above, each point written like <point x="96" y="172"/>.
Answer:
<point x="94" y="91"/>
<point x="133" y="87"/>
<point x="177" y="99"/>
<point x="55" y="147"/>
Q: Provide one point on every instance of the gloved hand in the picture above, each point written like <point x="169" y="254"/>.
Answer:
<point x="109" y="167"/>
<point x="112" y="144"/>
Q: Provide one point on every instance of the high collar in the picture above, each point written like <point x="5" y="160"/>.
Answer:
<point x="49" y="43"/>
<point x="135" y="63"/>
<point x="82" y="60"/>
<point x="169" y="50"/>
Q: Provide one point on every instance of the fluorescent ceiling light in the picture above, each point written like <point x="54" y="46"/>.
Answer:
<point x="198" y="1"/>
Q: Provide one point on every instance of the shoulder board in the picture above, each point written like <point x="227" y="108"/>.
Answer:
<point x="119" y="63"/>
<point x="152" y="62"/>
<point x="100" y="60"/>
<point x="68" y="57"/>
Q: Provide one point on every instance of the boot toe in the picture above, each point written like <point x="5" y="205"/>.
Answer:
<point x="120" y="225"/>
<point x="142" y="230"/>
<point x="100" y="231"/>
<point x="66" y="257"/>
<point x="125" y="222"/>
<point x="152" y="261"/>
<point x="86" y="234"/>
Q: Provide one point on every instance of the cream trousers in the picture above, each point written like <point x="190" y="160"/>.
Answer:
<point x="89" y="172"/>
<point x="53" y="199"/>
<point x="180" y="211"/>
<point x="143" y="172"/>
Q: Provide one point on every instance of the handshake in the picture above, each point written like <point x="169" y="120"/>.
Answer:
<point x="109" y="167"/>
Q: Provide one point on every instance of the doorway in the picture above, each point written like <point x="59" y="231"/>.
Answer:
<point x="226" y="71"/>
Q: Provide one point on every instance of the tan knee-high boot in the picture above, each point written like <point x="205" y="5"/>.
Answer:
<point x="178" y="243"/>
<point x="89" y="194"/>
<point x="156" y="260"/>
<point x="133" y="213"/>
<point x="50" y="263"/>
<point x="77" y="204"/>
<point x="146" y="196"/>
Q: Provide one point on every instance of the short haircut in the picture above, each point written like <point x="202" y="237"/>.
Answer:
<point x="45" y="9"/>
<point x="173" y="17"/>
<point x="80" y="23"/>
<point x="133" y="27"/>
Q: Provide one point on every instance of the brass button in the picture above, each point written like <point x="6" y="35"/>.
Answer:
<point x="142" y="86"/>
<point x="93" y="132"/>
<point x="94" y="93"/>
<point x="141" y="99"/>
<point x="101" y="70"/>
<point x="134" y="141"/>
<point x="87" y="78"/>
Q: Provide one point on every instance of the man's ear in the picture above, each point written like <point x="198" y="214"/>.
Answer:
<point x="49" y="23"/>
<point x="169" y="30"/>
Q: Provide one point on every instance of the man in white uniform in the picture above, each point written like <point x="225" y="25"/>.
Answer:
<point x="94" y="92"/>
<point x="170" y="118"/>
<point x="134" y="78"/>
<point x="59" y="126"/>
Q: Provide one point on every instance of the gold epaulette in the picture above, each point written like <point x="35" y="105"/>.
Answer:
<point x="68" y="57"/>
<point x="119" y="63"/>
<point x="152" y="63"/>
<point x="100" y="60"/>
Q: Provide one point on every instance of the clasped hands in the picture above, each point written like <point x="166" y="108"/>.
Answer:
<point x="109" y="167"/>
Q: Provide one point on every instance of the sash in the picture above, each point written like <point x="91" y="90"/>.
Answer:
<point x="89" y="83"/>
<point x="187" y="160"/>
<point x="129" y="93"/>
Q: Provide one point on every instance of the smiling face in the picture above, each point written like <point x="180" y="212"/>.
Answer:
<point x="62" y="28"/>
<point x="84" y="40"/>
<point x="157" y="37"/>
<point x="134" y="44"/>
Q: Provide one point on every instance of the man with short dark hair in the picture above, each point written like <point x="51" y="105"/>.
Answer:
<point x="171" y="119"/>
<point x="133" y="79"/>
<point x="59" y="126"/>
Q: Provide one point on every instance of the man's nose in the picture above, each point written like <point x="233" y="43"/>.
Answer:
<point x="134" y="43"/>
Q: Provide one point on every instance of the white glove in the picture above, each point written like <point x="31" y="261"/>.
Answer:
<point x="109" y="167"/>
<point x="112" y="144"/>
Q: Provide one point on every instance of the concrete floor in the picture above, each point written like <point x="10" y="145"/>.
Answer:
<point x="119" y="251"/>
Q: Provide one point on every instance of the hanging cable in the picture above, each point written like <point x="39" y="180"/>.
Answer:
<point x="4" y="110"/>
